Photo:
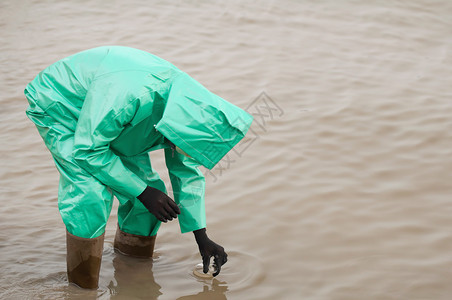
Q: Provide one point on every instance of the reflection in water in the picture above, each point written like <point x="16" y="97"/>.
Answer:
<point x="73" y="292"/>
<point x="217" y="291"/>
<point x="134" y="278"/>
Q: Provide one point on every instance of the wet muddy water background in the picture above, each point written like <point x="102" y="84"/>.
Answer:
<point x="342" y="189"/>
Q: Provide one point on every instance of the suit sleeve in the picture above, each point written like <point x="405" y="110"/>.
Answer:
<point x="107" y="110"/>
<point x="188" y="184"/>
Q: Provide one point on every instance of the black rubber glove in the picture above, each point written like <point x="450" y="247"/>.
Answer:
<point x="208" y="248"/>
<point x="159" y="204"/>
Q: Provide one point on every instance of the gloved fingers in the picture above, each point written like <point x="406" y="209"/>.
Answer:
<point x="170" y="211"/>
<point x="166" y="216"/>
<point x="206" y="263"/>
<point x="160" y="217"/>
<point x="225" y="258"/>
<point x="218" y="262"/>
<point x="216" y="266"/>
<point x="174" y="206"/>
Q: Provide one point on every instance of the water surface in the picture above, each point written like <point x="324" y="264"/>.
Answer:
<point x="342" y="189"/>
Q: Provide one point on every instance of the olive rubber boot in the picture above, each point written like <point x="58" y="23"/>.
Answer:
<point x="134" y="245"/>
<point x="83" y="260"/>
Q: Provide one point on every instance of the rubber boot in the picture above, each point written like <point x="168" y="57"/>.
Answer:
<point x="134" y="245"/>
<point x="84" y="257"/>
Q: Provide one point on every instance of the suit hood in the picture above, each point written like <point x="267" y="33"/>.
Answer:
<point x="202" y="124"/>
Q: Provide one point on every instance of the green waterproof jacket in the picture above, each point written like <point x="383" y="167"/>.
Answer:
<point x="121" y="102"/>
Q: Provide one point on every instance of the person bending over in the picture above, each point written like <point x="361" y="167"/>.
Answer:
<point x="99" y="113"/>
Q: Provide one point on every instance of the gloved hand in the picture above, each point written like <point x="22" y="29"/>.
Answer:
<point x="159" y="204"/>
<point x="208" y="248"/>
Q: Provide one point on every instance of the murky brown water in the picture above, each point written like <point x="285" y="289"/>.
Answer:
<point x="343" y="190"/>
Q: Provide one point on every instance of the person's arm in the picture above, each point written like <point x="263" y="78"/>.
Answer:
<point x="188" y="185"/>
<point x="102" y="119"/>
<point x="105" y="113"/>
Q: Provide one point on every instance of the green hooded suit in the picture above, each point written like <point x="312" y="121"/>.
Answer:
<point x="102" y="110"/>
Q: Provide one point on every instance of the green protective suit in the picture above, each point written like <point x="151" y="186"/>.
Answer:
<point x="102" y="110"/>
